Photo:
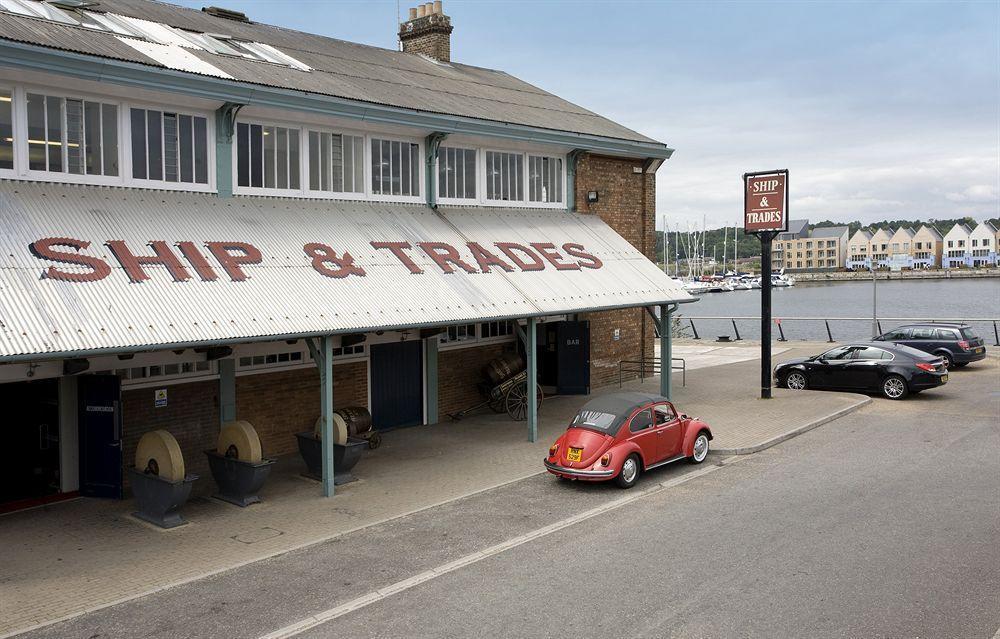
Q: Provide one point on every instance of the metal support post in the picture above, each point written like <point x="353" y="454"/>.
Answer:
<point x="431" y="375"/>
<point x="531" y="353"/>
<point x="765" y="314"/>
<point x="227" y="390"/>
<point x="693" y="329"/>
<point x="829" y="335"/>
<point x="326" y="403"/>
<point x="737" y="331"/>
<point x="666" y="349"/>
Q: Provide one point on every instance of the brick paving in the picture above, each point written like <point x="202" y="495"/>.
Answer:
<point x="65" y="559"/>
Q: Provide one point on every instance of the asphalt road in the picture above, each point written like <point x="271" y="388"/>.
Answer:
<point x="884" y="523"/>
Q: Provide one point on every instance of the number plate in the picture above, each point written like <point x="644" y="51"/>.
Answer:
<point x="944" y="378"/>
<point x="979" y="350"/>
<point x="574" y="454"/>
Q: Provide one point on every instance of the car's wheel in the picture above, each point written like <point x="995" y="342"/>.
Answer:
<point x="949" y="361"/>
<point x="629" y="474"/>
<point x="700" y="450"/>
<point x="894" y="387"/>
<point x="796" y="380"/>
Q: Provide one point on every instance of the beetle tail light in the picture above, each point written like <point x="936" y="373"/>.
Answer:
<point x="606" y="459"/>
<point x="924" y="366"/>
<point x="553" y="450"/>
<point x="964" y="345"/>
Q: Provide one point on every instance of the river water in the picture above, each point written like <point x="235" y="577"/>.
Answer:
<point x="960" y="299"/>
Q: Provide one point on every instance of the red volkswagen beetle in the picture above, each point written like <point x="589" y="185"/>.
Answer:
<point x="618" y="436"/>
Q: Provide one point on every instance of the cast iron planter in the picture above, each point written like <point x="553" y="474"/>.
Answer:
<point x="159" y="500"/>
<point x="344" y="457"/>
<point x="238" y="481"/>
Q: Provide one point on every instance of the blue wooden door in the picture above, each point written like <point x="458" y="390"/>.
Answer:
<point x="573" y="355"/>
<point x="100" y="436"/>
<point x="397" y="384"/>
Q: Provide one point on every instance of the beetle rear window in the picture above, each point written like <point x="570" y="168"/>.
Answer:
<point x="594" y="419"/>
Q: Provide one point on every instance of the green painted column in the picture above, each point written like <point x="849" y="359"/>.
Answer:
<point x="571" y="160"/>
<point x="431" y="378"/>
<point x="531" y="352"/>
<point x="326" y="401"/>
<point x="225" y="124"/>
<point x="666" y="349"/>
<point x="227" y="390"/>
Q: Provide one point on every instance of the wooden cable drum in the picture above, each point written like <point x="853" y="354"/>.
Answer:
<point x="504" y="367"/>
<point x="339" y="429"/>
<point x="239" y="440"/>
<point x="159" y="454"/>
<point x="359" y="420"/>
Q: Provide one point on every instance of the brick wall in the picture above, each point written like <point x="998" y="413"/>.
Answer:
<point x="283" y="403"/>
<point x="627" y="202"/>
<point x="459" y="372"/>
<point x="191" y="416"/>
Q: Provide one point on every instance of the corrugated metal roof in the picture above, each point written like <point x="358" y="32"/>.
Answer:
<point x="341" y="69"/>
<point x="284" y="295"/>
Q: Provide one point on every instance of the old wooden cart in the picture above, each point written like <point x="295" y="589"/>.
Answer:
<point x="509" y="395"/>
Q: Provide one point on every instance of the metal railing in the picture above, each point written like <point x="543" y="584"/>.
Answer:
<point x="652" y="365"/>
<point x="826" y="321"/>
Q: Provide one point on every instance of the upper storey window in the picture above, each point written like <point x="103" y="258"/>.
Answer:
<point x="395" y="168"/>
<point x="504" y="176"/>
<point x="267" y="157"/>
<point x="169" y="147"/>
<point x="67" y="135"/>
<point x="457" y="175"/>
<point x="545" y="179"/>
<point x="6" y="130"/>
<point x="336" y="163"/>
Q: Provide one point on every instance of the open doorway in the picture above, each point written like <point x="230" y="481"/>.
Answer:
<point x="30" y="472"/>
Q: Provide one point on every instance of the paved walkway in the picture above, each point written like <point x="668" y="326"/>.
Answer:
<point x="64" y="559"/>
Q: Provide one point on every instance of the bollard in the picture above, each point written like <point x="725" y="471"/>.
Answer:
<point x="781" y="332"/>
<point x="693" y="329"/>
<point x="996" y="336"/>
<point x="828" y="333"/>
<point x="737" y="331"/>
<point x="879" y="325"/>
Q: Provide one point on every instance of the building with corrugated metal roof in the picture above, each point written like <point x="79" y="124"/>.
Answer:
<point x="199" y="213"/>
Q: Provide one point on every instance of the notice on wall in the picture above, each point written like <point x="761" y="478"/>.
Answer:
<point x="160" y="398"/>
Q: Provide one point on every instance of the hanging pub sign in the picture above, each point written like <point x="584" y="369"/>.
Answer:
<point x="765" y="201"/>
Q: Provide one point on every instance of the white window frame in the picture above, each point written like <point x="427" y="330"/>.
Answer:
<point x="365" y="193"/>
<point x="422" y="169"/>
<point x="21" y="147"/>
<point x="302" y="191"/>
<point x="14" y="122"/>
<point x="478" y="340"/>
<point x="562" y="178"/>
<point x="19" y="93"/>
<point x="460" y="201"/>
<point x="525" y="203"/>
<point x="125" y="120"/>
<point x="173" y="379"/>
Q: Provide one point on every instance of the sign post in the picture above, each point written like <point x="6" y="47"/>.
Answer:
<point x="765" y="214"/>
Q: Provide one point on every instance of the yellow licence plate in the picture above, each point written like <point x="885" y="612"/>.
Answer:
<point x="979" y="350"/>
<point x="944" y="378"/>
<point x="574" y="454"/>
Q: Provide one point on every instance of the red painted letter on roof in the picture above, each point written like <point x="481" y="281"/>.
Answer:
<point x="397" y="250"/>
<point x="549" y="252"/>
<point x="132" y="263"/>
<point x="443" y="253"/>
<point x="322" y="255"/>
<point x="44" y="249"/>
<point x="509" y="249"/>
<point x="578" y="251"/>
<point x="223" y="251"/>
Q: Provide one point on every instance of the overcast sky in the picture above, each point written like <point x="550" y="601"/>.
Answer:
<point x="878" y="110"/>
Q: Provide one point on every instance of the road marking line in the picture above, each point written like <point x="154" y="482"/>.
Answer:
<point x="357" y="603"/>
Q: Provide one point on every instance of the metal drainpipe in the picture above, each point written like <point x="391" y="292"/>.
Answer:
<point x="571" y="159"/>
<point x="432" y="143"/>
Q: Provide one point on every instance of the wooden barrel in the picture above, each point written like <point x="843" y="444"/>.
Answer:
<point x="504" y="367"/>
<point x="358" y="419"/>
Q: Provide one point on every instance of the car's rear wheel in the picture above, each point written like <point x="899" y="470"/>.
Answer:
<point x="700" y="449"/>
<point x="894" y="387"/>
<point x="630" y="471"/>
<point x="796" y="381"/>
<point x="949" y="361"/>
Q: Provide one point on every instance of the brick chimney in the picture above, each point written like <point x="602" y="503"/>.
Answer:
<point x="427" y="32"/>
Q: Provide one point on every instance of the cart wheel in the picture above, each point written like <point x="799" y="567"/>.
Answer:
<point x="516" y="401"/>
<point x="374" y="441"/>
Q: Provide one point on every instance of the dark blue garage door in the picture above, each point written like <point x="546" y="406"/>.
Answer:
<point x="397" y="384"/>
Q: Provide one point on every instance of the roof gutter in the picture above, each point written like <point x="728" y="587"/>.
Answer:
<point x="132" y="74"/>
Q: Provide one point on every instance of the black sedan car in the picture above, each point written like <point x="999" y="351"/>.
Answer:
<point x="877" y="367"/>
<point x="958" y="344"/>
